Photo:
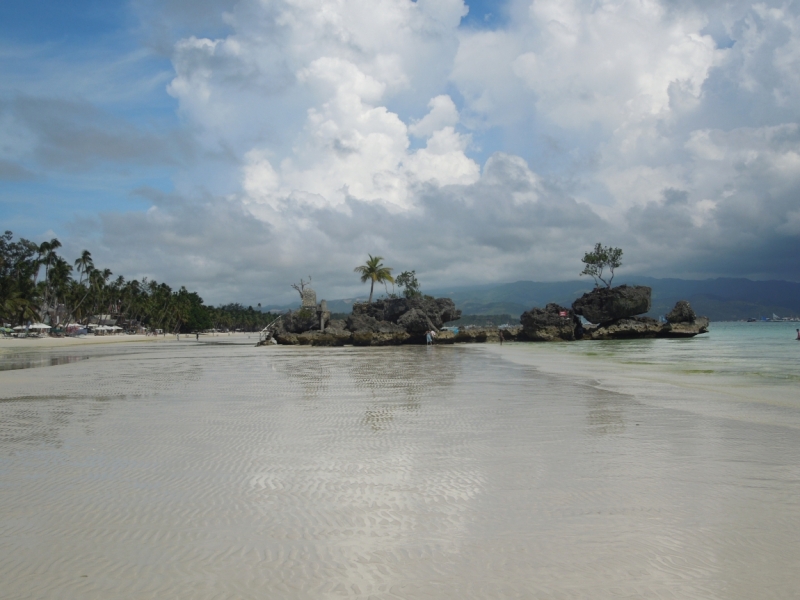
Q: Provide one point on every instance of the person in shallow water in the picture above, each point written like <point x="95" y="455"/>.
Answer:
<point x="798" y="335"/>
<point x="428" y="338"/>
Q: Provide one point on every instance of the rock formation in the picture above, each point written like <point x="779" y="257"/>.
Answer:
<point x="437" y="311"/>
<point x="682" y="313"/>
<point x="627" y="328"/>
<point x="551" y="323"/>
<point x="609" y="304"/>
<point x="681" y="322"/>
<point x="686" y="329"/>
<point x="386" y="322"/>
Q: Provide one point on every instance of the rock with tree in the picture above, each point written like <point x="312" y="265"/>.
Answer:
<point x="604" y="304"/>
<point x="437" y="311"/>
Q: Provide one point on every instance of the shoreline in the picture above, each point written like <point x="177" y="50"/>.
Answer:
<point x="703" y="393"/>
<point x="47" y="343"/>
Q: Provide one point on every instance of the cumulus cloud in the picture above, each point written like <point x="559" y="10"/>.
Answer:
<point x="330" y="159"/>
<point x="325" y="129"/>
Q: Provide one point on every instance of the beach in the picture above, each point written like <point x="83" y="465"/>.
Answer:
<point x="215" y="469"/>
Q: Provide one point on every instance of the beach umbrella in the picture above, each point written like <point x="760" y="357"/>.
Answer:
<point x="19" y="327"/>
<point x="40" y="326"/>
<point x="115" y="328"/>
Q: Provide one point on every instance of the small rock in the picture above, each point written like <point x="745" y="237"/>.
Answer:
<point x="547" y="324"/>
<point x="682" y="313"/>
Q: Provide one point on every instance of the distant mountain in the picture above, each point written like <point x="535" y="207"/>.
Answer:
<point x="722" y="299"/>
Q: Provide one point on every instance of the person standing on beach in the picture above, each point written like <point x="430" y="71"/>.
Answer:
<point x="197" y="336"/>
<point x="500" y="334"/>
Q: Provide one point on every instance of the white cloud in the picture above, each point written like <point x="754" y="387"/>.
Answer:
<point x="443" y="113"/>
<point x="332" y="128"/>
<point x="316" y="100"/>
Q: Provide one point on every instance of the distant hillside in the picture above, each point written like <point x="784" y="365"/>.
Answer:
<point x="722" y="299"/>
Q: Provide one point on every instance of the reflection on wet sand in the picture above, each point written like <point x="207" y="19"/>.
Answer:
<point x="240" y="472"/>
<point x="30" y="360"/>
<point x="605" y="414"/>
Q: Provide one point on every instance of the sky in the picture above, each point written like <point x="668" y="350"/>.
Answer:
<point x="235" y="146"/>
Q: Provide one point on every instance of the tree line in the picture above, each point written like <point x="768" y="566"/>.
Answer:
<point x="37" y="284"/>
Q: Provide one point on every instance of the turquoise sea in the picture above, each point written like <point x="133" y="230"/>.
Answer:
<point x="763" y="351"/>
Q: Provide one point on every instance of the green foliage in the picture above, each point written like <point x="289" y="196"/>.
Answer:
<point x="408" y="281"/>
<point x="304" y="313"/>
<point x="599" y="259"/>
<point x="374" y="271"/>
<point x="24" y="297"/>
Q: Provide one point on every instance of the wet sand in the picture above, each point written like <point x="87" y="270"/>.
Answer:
<point x="221" y="471"/>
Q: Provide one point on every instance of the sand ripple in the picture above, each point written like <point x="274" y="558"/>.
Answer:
<point x="238" y="472"/>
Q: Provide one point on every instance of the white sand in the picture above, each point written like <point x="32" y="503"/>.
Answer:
<point x="47" y="342"/>
<point x="168" y="470"/>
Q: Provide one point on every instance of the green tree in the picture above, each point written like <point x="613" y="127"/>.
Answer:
<point x="408" y="281"/>
<point x="599" y="259"/>
<point x="374" y="271"/>
<point x="84" y="264"/>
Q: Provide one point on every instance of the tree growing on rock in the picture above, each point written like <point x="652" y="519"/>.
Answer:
<point x="301" y="287"/>
<point x="408" y="281"/>
<point x="373" y="271"/>
<point x="599" y="259"/>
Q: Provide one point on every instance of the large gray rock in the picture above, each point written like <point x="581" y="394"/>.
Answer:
<point x="683" y="330"/>
<point x="447" y="310"/>
<point x="415" y="321"/>
<point x="366" y="323"/>
<point x="361" y="322"/>
<point x="682" y="313"/>
<point x="368" y="338"/>
<point x="609" y="304"/>
<point x="299" y="321"/>
<point x="336" y="324"/>
<point x="548" y="325"/>
<point x="645" y="327"/>
<point x="334" y="337"/>
<point x="413" y="316"/>
<point x="625" y="329"/>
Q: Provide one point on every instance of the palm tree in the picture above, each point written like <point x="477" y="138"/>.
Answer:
<point x="374" y="271"/>
<point x="84" y="264"/>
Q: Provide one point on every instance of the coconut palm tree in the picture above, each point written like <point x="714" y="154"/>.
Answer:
<point x="374" y="271"/>
<point x="84" y="264"/>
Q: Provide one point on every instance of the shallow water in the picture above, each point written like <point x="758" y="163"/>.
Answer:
<point x="208" y="471"/>
<point x="765" y="350"/>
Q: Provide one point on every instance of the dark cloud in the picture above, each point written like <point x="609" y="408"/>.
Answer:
<point x="71" y="134"/>
<point x="10" y="171"/>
